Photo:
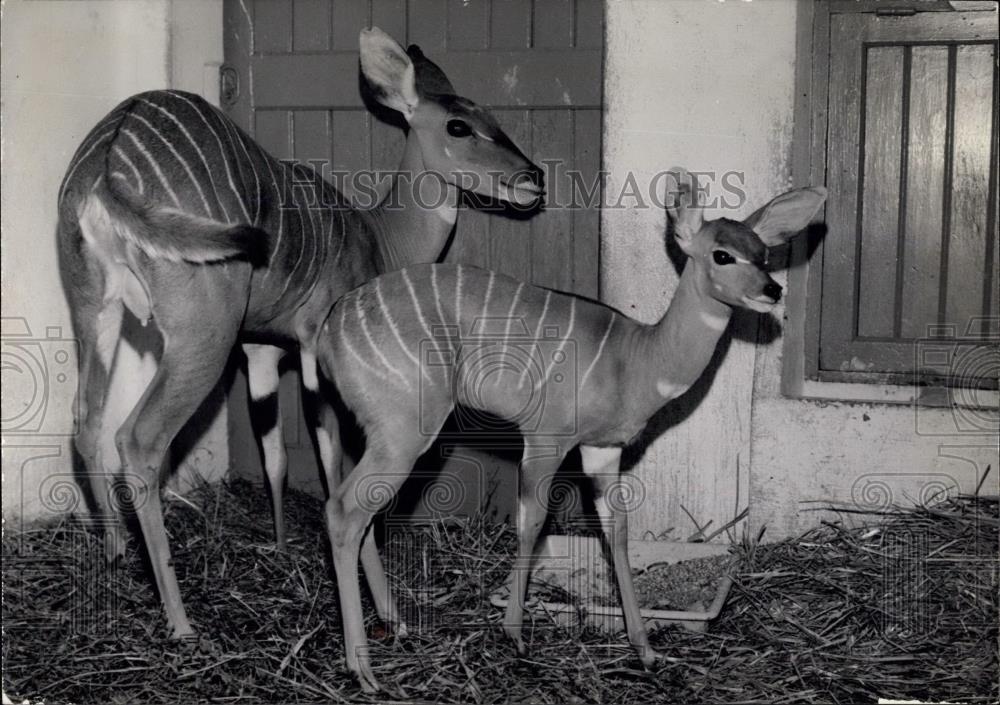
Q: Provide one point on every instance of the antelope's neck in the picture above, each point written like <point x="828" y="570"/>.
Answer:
<point x="415" y="219"/>
<point x="677" y="350"/>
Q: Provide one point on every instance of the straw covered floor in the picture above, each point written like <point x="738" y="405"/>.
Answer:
<point x="904" y="606"/>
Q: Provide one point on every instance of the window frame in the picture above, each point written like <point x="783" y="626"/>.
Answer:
<point x="800" y="371"/>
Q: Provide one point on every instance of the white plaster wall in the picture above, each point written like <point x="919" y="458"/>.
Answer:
<point x="709" y="85"/>
<point x="65" y="64"/>
<point x="691" y="83"/>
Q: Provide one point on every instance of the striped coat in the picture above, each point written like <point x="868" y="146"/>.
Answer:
<point x="426" y="338"/>
<point x="173" y="151"/>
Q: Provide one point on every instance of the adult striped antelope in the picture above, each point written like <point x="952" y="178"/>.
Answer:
<point x="170" y="211"/>
<point x="405" y="348"/>
<point x="412" y="225"/>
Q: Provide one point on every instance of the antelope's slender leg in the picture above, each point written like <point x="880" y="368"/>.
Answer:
<point x="349" y="511"/>
<point x="378" y="476"/>
<point x="602" y="466"/>
<point x="94" y="382"/>
<point x="336" y="465"/>
<point x="195" y="351"/>
<point x="538" y="465"/>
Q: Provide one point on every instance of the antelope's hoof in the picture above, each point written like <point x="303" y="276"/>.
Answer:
<point x="190" y="641"/>
<point x="183" y="631"/>
<point x="649" y="657"/>
<point x="515" y="637"/>
<point x="366" y="679"/>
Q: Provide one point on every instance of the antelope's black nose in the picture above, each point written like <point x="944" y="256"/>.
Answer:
<point x="773" y="290"/>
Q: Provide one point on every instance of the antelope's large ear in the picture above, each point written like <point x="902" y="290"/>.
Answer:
<point x="389" y="71"/>
<point x="786" y="215"/>
<point x="431" y="80"/>
<point x="685" y="205"/>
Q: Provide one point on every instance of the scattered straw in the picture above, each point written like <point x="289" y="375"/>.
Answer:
<point x="906" y="608"/>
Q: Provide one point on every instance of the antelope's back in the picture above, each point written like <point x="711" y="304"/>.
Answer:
<point x="455" y="334"/>
<point x="178" y="151"/>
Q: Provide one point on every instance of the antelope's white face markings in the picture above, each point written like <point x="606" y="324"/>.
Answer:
<point x="670" y="390"/>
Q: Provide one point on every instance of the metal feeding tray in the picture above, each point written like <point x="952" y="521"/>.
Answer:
<point x="576" y="566"/>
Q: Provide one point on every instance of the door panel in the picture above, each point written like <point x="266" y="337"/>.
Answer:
<point x="537" y="66"/>
<point x="910" y="253"/>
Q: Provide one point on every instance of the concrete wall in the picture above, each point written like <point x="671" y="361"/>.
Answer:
<point x="65" y="64"/>
<point x="710" y="85"/>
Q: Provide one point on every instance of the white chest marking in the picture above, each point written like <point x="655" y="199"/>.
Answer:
<point x="714" y="322"/>
<point x="449" y="214"/>
<point x="670" y="390"/>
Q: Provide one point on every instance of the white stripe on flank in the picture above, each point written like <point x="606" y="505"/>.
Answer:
<point x="395" y="329"/>
<point x="281" y="218"/>
<point x="343" y="234"/>
<point x="256" y="179"/>
<point x="222" y="153"/>
<point x="416" y="306"/>
<point x="437" y="302"/>
<point x="187" y="167"/>
<point x="289" y="276"/>
<point x="486" y="301"/>
<point x="229" y="126"/>
<point x="458" y="297"/>
<point x="83" y="158"/>
<point x="197" y="148"/>
<point x="600" y="349"/>
<point x="346" y="341"/>
<point x="506" y="332"/>
<point x="91" y="141"/>
<point x="562" y="345"/>
<point x="538" y="330"/>
<point x="371" y="341"/>
<point x="138" y="175"/>
<point x="96" y="136"/>
<point x="156" y="167"/>
<point x="312" y="229"/>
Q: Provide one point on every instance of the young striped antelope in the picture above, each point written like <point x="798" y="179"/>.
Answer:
<point x="172" y="213"/>
<point x="407" y="347"/>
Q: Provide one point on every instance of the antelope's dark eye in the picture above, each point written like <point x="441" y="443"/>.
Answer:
<point x="459" y="128"/>
<point x="722" y="257"/>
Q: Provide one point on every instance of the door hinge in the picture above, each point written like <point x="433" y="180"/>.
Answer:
<point x="229" y="85"/>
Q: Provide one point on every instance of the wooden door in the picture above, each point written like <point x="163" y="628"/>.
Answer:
<point x="909" y="274"/>
<point x="536" y="65"/>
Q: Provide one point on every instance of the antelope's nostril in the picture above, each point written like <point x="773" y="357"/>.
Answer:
<point x="773" y="290"/>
